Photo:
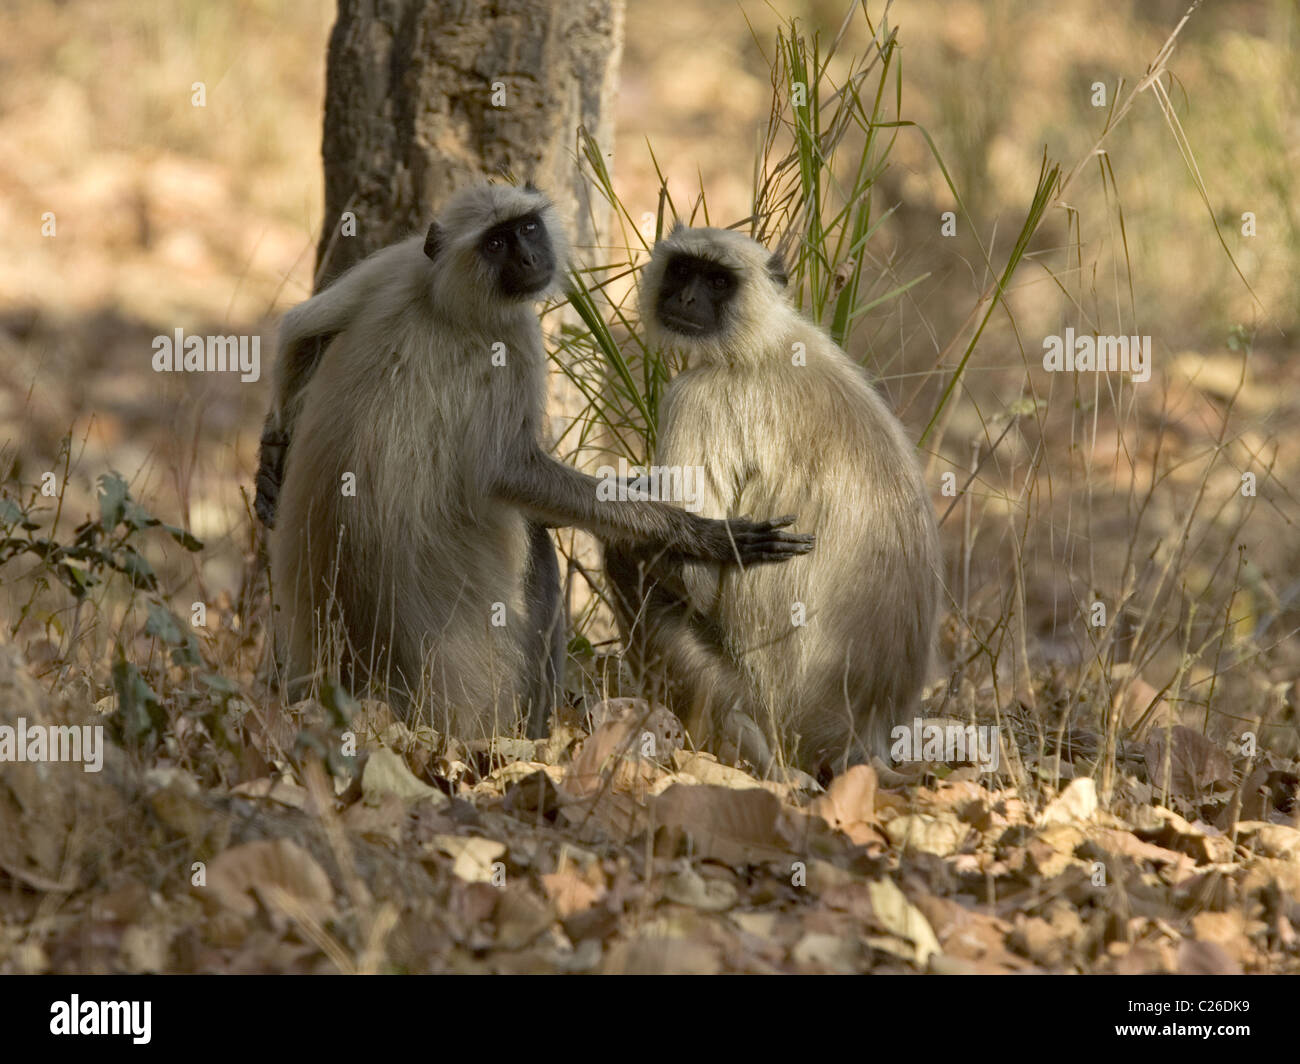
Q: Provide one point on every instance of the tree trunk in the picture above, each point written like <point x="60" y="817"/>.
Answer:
<point x="425" y="96"/>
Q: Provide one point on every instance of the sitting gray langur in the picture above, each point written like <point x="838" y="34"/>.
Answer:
<point x="821" y="657"/>
<point x="409" y="551"/>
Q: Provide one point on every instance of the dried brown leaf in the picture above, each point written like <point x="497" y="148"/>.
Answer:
<point x="237" y="878"/>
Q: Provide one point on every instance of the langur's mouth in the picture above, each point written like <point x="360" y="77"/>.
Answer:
<point x="532" y="285"/>
<point x="684" y="326"/>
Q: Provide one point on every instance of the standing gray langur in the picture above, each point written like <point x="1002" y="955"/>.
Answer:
<point x="409" y="550"/>
<point x="821" y="657"/>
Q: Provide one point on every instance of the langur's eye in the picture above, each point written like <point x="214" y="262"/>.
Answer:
<point x="528" y="228"/>
<point x="495" y="244"/>
<point x="719" y="283"/>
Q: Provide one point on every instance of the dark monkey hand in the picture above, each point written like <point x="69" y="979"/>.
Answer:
<point x="750" y="542"/>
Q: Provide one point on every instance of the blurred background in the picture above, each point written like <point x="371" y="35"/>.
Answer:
<point x="206" y="218"/>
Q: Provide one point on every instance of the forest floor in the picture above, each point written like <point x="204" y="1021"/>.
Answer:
<point x="580" y="853"/>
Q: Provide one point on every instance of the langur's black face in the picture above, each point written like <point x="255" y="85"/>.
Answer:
<point x="694" y="294"/>
<point x="520" y="252"/>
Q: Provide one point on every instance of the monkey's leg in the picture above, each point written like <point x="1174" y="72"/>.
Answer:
<point x="626" y="573"/>
<point x="738" y="732"/>
<point x="667" y="636"/>
<point x="544" y="640"/>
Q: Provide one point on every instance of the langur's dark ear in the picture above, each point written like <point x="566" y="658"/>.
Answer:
<point x="432" y="241"/>
<point x="776" y="270"/>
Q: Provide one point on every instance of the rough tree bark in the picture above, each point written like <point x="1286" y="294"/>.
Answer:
<point x="425" y="96"/>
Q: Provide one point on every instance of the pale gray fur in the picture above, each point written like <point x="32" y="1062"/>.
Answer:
<point x="404" y="392"/>
<point x="773" y="436"/>
<point x="449" y="463"/>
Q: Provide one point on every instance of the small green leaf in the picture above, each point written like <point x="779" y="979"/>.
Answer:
<point x="140" y="712"/>
<point x="137" y="516"/>
<point x="339" y="701"/>
<point x="139" y="570"/>
<point x="113" y="494"/>
<point x="76" y="576"/>
<point x="217" y="683"/>
<point x="580" y="646"/>
<point x="187" y="653"/>
<point x="162" y="624"/>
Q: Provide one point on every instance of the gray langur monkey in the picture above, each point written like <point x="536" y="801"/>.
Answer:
<point x="823" y="655"/>
<point x="410" y="547"/>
